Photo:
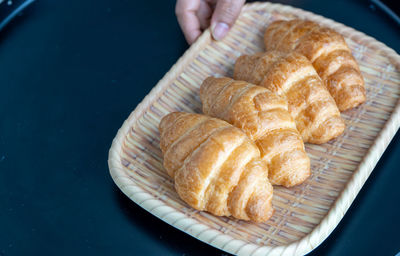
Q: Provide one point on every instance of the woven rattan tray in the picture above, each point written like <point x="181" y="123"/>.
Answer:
<point x="305" y="215"/>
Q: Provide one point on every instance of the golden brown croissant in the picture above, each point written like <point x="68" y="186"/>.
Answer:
<point x="264" y="117"/>
<point x="292" y="75"/>
<point x="216" y="167"/>
<point x="328" y="52"/>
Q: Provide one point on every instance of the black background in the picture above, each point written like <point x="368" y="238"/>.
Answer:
<point x="70" y="74"/>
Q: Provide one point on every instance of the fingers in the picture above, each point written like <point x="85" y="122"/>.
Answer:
<point x="186" y="12"/>
<point x="225" y="15"/>
<point x="194" y="16"/>
<point x="204" y="14"/>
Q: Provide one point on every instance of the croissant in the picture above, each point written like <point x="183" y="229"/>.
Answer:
<point x="329" y="54"/>
<point x="264" y="117"/>
<point x="216" y="167"/>
<point x="291" y="75"/>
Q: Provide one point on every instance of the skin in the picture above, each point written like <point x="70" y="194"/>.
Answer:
<point x="194" y="16"/>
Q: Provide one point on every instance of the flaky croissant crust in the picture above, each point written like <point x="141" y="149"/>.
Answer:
<point x="264" y="117"/>
<point x="329" y="54"/>
<point x="292" y="76"/>
<point x="215" y="166"/>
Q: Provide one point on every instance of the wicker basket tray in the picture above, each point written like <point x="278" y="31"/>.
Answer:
<point x="305" y="215"/>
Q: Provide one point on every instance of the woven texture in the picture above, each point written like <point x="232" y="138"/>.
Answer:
<point x="306" y="214"/>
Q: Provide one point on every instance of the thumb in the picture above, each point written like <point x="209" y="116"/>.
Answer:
<point x="224" y="16"/>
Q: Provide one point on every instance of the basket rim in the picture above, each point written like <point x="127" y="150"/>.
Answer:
<point x="214" y="237"/>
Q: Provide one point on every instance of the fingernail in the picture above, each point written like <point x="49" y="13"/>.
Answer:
<point x="220" y="30"/>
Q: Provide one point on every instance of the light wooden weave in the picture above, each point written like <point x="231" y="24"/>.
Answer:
<point x="305" y="215"/>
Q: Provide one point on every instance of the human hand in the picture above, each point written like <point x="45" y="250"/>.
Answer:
<point x="196" y="15"/>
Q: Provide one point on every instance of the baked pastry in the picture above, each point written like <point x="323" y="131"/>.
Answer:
<point x="264" y="117"/>
<point x="216" y="167"/>
<point x="329" y="54"/>
<point x="292" y="76"/>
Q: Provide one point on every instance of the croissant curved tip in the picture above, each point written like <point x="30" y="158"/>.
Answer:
<point x="298" y="179"/>
<point x="330" y="129"/>
<point x="355" y="98"/>
<point x="263" y="217"/>
<point x="205" y="86"/>
<point x="291" y="170"/>
<point x="260" y="210"/>
<point x="168" y="119"/>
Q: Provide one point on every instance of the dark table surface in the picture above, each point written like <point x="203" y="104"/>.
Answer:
<point x="70" y="74"/>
